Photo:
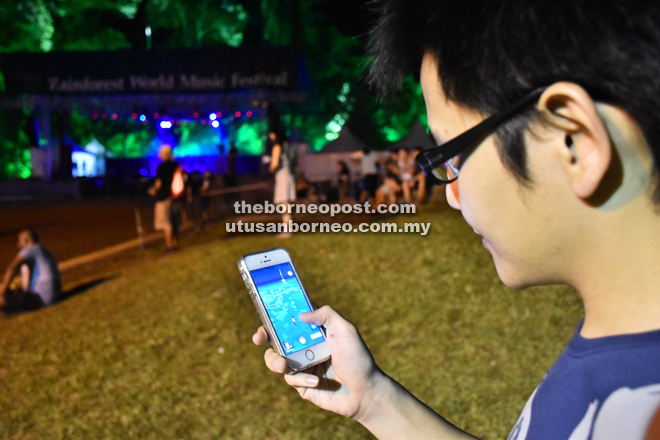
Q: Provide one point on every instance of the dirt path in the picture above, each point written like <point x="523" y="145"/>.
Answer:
<point x="71" y="229"/>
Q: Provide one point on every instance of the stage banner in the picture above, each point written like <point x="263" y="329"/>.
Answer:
<point x="155" y="71"/>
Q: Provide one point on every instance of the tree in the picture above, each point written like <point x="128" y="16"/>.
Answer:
<point x="333" y="35"/>
<point x="198" y="23"/>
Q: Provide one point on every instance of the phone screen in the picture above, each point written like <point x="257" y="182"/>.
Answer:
<point x="284" y="300"/>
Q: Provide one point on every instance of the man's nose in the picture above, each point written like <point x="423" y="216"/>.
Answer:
<point x="452" y="195"/>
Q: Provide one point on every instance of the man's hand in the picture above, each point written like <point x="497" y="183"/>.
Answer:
<point x="348" y="382"/>
<point x="12" y="270"/>
<point x="352" y="385"/>
<point x="154" y="189"/>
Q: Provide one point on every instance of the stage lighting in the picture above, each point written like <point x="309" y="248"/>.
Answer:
<point x="215" y="124"/>
<point x="165" y="124"/>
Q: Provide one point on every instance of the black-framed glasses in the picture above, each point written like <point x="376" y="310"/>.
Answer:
<point x="441" y="164"/>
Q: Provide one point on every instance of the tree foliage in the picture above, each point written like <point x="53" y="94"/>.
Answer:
<point x="14" y="143"/>
<point x="335" y="54"/>
<point x="198" y="23"/>
<point x="338" y="64"/>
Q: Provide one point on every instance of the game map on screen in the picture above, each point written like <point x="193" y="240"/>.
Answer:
<point x="284" y="300"/>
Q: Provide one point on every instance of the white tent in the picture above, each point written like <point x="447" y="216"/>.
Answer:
<point x="89" y="161"/>
<point x="324" y="164"/>
<point x="417" y="136"/>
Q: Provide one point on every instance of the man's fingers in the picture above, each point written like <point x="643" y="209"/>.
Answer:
<point x="325" y="316"/>
<point x="301" y="380"/>
<point x="274" y="361"/>
<point x="260" y="337"/>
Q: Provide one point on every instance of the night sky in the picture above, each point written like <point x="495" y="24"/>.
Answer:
<point x="352" y="17"/>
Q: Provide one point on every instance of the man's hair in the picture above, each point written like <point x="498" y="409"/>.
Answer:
<point x="166" y="153"/>
<point x="492" y="52"/>
<point x="32" y="233"/>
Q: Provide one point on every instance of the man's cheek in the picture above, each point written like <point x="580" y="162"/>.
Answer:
<point x="453" y="198"/>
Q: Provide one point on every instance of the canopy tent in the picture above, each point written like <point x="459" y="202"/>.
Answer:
<point x="346" y="142"/>
<point x="323" y="165"/>
<point x="417" y="136"/>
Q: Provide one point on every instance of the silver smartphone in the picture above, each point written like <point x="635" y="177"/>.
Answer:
<point x="279" y="297"/>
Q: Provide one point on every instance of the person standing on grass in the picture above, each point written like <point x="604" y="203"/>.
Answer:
<point x="194" y="198"/>
<point x="207" y="179"/>
<point x="547" y="114"/>
<point x="166" y="215"/>
<point x="369" y="172"/>
<point x="283" y="165"/>
<point x="231" y="177"/>
<point x="40" y="278"/>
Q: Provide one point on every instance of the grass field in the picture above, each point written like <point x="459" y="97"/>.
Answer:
<point x="138" y="356"/>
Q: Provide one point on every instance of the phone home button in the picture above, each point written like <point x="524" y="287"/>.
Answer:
<point x="309" y="354"/>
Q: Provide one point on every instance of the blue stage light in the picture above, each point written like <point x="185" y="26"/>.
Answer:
<point x="143" y="118"/>
<point x="215" y="124"/>
<point x="165" y="124"/>
<point x="213" y="116"/>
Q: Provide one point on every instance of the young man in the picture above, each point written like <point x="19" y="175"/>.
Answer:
<point x="561" y="183"/>
<point x="166" y="214"/>
<point x="40" y="278"/>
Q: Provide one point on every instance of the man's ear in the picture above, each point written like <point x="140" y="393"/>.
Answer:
<point x="584" y="146"/>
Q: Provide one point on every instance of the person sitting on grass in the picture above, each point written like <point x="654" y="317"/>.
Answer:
<point x="343" y="181"/>
<point x="418" y="182"/>
<point x="391" y="186"/>
<point x="40" y="284"/>
<point x="548" y="117"/>
<point x="405" y="173"/>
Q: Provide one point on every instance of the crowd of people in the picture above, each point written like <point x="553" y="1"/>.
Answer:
<point x="403" y="178"/>
<point x="391" y="180"/>
<point x="182" y="198"/>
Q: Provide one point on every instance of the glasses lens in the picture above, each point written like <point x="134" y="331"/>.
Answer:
<point x="447" y="172"/>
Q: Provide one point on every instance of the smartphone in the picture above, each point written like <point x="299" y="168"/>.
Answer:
<point x="279" y="297"/>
